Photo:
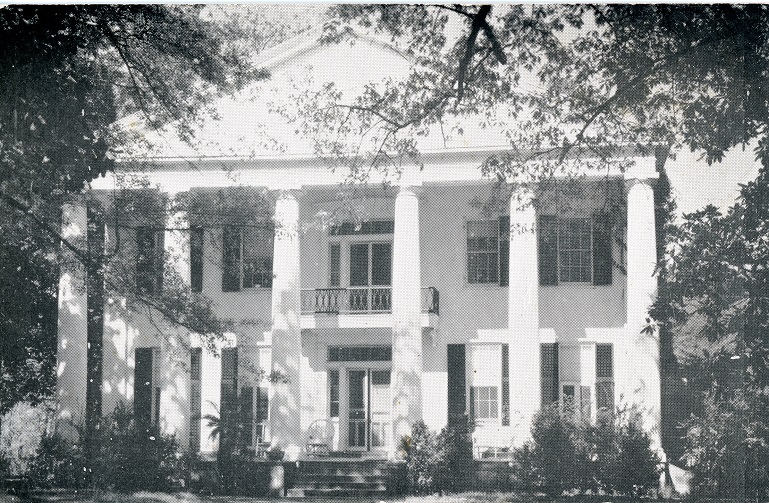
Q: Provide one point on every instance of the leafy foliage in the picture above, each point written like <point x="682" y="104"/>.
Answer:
<point x="727" y="447"/>
<point x="559" y="77"/>
<point x="68" y="73"/>
<point x="441" y="462"/>
<point x="613" y="455"/>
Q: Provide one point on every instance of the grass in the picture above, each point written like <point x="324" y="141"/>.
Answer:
<point x="181" y="497"/>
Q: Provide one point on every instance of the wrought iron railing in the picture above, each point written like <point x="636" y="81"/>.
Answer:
<point x="360" y="300"/>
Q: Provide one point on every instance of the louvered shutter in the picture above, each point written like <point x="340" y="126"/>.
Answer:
<point x="602" y="256"/>
<point x="505" y="389"/>
<point x="549" y="373"/>
<point x="143" y="388"/>
<point x="548" y="250"/>
<point x="246" y="404"/>
<point x="457" y="405"/>
<point x="504" y="250"/>
<point x="231" y="259"/>
<point x="196" y="259"/>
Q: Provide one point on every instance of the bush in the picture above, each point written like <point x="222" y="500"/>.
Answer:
<point x="421" y="459"/>
<point x="455" y="457"/>
<point x="133" y="458"/>
<point x="442" y="462"/>
<point x="614" y="455"/>
<point x="57" y="463"/>
<point x="727" y="447"/>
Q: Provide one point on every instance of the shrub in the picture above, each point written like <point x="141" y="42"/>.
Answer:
<point x="421" y="459"/>
<point x="727" y="447"/>
<point x="634" y="468"/>
<point x="135" y="458"/>
<point x="455" y="457"/>
<point x="441" y="462"/>
<point x="57" y="463"/>
<point x="613" y="455"/>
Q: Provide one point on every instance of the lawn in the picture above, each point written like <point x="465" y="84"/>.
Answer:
<point x="146" y="497"/>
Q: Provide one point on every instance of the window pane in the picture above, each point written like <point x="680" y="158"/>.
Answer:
<point x="381" y="264"/>
<point x="574" y="250"/>
<point x="257" y="256"/>
<point x="359" y="265"/>
<point x="333" y="264"/>
<point x="483" y="252"/>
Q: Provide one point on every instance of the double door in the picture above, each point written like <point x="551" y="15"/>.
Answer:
<point x="368" y="412"/>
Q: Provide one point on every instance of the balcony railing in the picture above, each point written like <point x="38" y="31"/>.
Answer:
<point x="355" y="300"/>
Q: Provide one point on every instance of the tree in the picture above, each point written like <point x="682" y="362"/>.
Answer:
<point x="554" y="79"/>
<point x="68" y="73"/>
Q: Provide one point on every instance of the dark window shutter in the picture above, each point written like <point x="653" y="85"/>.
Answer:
<point x="455" y="364"/>
<point x="548" y="250"/>
<point x="246" y="404"/>
<point x="504" y="250"/>
<point x="196" y="356"/>
<point x="196" y="259"/>
<point x="160" y="260"/>
<point x="146" y="257"/>
<point x="231" y="259"/>
<point x="143" y="388"/>
<point x="604" y="361"/>
<point x="262" y="405"/>
<point x="505" y="385"/>
<point x="229" y="397"/>
<point x="549" y="373"/>
<point x="602" y="257"/>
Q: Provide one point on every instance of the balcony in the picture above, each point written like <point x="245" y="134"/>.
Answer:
<point x="360" y="307"/>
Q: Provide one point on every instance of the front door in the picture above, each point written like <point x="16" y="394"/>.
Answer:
<point x="369" y="409"/>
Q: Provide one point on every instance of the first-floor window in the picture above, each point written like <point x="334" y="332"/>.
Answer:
<point x="485" y="402"/>
<point x="485" y="378"/>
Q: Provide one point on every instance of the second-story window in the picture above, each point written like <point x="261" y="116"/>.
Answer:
<point x="247" y="257"/>
<point x="483" y="252"/>
<point x="149" y="260"/>
<point x="575" y="250"/>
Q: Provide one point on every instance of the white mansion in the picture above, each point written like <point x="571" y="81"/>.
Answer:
<point x="425" y="307"/>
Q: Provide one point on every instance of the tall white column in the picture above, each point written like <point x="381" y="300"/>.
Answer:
<point x="285" y="403"/>
<point x="406" y="387"/>
<point x="523" y="316"/>
<point x="72" y="343"/>
<point x="175" y="377"/>
<point x="641" y="355"/>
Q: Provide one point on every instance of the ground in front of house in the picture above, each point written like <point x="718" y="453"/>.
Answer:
<point x="145" y="497"/>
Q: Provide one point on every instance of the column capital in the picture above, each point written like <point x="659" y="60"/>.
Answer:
<point x="290" y="193"/>
<point x="410" y="190"/>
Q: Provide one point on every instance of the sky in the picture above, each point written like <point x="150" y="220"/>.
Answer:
<point x="695" y="184"/>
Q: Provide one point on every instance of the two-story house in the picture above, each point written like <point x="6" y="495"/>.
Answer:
<point x="422" y="306"/>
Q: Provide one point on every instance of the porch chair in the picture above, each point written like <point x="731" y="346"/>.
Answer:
<point x="320" y="436"/>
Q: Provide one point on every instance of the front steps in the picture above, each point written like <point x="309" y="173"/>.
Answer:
<point x="343" y="477"/>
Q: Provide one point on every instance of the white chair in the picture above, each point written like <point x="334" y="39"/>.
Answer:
<point x="320" y="436"/>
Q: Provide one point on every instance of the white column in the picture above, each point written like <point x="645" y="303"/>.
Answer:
<point x="641" y="371"/>
<point x="406" y="387"/>
<point x="285" y="403"/>
<point x="72" y="343"/>
<point x="210" y="397"/>
<point x="174" y="373"/>
<point x="523" y="316"/>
